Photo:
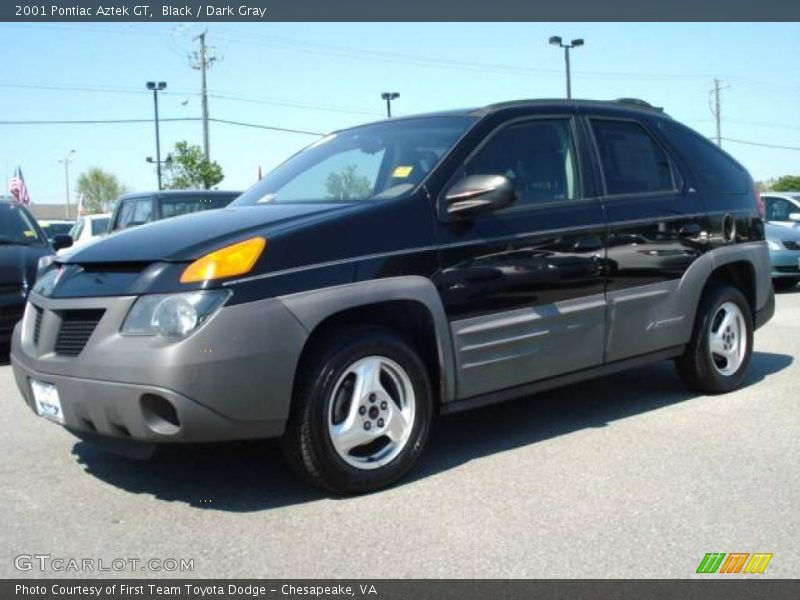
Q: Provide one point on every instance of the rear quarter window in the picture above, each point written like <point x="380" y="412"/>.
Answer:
<point x="715" y="171"/>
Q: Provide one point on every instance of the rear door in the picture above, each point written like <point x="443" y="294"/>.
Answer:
<point x="657" y="227"/>
<point x="523" y="286"/>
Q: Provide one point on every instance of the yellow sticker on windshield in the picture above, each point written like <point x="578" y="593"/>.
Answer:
<point x="402" y="172"/>
<point x="28" y="233"/>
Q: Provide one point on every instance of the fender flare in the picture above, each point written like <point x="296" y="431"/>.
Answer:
<point x="312" y="307"/>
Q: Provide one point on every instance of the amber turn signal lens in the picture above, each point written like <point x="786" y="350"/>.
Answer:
<point x="229" y="261"/>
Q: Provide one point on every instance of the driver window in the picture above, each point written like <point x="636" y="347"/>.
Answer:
<point x="777" y="209"/>
<point x="538" y="157"/>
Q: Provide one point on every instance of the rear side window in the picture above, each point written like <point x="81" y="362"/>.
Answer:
<point x="172" y="207"/>
<point x="716" y="172"/>
<point x="632" y="161"/>
<point x="135" y="211"/>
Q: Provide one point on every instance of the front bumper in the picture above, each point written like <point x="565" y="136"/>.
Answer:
<point x="784" y="263"/>
<point x="231" y="379"/>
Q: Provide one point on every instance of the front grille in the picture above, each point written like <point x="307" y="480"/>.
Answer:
<point x="37" y="324"/>
<point x="787" y="269"/>
<point x="76" y="328"/>
<point x="791" y="245"/>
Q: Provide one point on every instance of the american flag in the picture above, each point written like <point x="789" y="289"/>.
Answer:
<point x="18" y="188"/>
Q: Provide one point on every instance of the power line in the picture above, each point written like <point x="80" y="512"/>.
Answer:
<point x="395" y="57"/>
<point x="271" y="127"/>
<point x="749" y="143"/>
<point x="286" y="102"/>
<point x="168" y="119"/>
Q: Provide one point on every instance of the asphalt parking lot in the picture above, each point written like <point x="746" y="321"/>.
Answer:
<point x="625" y="476"/>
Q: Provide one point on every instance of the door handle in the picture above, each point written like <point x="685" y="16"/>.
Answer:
<point x="588" y="244"/>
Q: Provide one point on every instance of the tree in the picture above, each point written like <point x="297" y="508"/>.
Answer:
<point x="348" y="185"/>
<point x="188" y="169"/>
<point x="787" y="183"/>
<point x="99" y="189"/>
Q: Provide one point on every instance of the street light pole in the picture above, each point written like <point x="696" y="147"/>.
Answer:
<point x="65" y="161"/>
<point x="157" y="87"/>
<point x="389" y="96"/>
<point x="557" y="41"/>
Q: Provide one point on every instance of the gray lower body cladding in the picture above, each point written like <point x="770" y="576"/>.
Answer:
<point x="231" y="379"/>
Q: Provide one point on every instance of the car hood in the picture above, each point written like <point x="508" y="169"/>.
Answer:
<point x="18" y="264"/>
<point x="782" y="232"/>
<point x="189" y="237"/>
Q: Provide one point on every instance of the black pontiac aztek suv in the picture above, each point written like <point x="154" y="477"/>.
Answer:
<point x="402" y="269"/>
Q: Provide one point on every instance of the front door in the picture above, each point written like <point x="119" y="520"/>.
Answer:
<point x="523" y="286"/>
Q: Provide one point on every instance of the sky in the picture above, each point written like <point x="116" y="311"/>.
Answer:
<point x="319" y="77"/>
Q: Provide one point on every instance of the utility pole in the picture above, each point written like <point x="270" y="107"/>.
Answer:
<point x="65" y="161"/>
<point x="716" y="111"/>
<point x="201" y="62"/>
<point x="157" y="86"/>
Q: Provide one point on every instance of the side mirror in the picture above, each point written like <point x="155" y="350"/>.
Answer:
<point x="794" y="217"/>
<point x="61" y="240"/>
<point x="479" y="194"/>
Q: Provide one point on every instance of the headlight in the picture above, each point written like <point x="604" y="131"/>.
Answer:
<point x="773" y="245"/>
<point x="173" y="316"/>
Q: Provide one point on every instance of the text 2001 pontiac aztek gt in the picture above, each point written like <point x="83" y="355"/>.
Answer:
<point x="402" y="269"/>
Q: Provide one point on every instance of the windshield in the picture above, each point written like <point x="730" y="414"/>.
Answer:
<point x="53" y="229"/>
<point x="16" y="227"/>
<point x="373" y="162"/>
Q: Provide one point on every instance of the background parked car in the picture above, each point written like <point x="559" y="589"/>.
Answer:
<point x="23" y="248"/>
<point x="784" y="255"/>
<point x="137" y="209"/>
<point x="86" y="229"/>
<point x="54" y="227"/>
<point x="782" y="208"/>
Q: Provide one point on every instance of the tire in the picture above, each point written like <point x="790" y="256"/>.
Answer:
<point x="336" y="395"/>
<point x="785" y="283"/>
<point x="721" y="370"/>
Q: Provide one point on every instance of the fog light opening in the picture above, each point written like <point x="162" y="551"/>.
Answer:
<point x="160" y="415"/>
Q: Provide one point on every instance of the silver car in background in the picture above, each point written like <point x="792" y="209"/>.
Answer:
<point x="784" y="254"/>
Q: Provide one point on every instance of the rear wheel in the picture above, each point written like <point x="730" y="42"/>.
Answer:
<point x="785" y="283"/>
<point x="361" y="413"/>
<point x="717" y="357"/>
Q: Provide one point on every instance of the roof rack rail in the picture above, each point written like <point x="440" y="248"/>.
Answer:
<point x="639" y="103"/>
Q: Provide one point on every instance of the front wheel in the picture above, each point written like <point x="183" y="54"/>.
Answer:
<point x="361" y="412"/>
<point x="717" y="357"/>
